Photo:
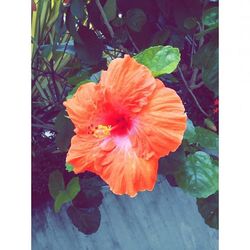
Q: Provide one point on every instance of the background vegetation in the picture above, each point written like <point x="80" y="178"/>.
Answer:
<point x="72" y="41"/>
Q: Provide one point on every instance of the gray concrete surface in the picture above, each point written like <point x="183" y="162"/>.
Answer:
<point x="164" y="219"/>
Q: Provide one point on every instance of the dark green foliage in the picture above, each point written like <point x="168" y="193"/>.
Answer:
<point x="171" y="164"/>
<point x="89" y="48"/>
<point x="87" y="221"/>
<point x="64" y="128"/>
<point x="135" y="19"/>
<point x="77" y="9"/>
<point x="110" y="9"/>
<point x="206" y="138"/>
<point x="211" y="17"/>
<point x="190" y="132"/>
<point x="199" y="175"/>
<point x="209" y="210"/>
<point x="60" y="194"/>
<point x="56" y="183"/>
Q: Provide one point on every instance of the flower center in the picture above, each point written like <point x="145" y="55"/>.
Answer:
<point x="101" y="131"/>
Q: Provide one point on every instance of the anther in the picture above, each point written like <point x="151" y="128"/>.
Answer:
<point x="101" y="131"/>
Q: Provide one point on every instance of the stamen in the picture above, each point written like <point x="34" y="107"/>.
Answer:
<point x="101" y="131"/>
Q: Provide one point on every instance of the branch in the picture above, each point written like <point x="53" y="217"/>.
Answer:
<point x="47" y="126"/>
<point x="196" y="70"/>
<point x="132" y="41"/>
<point x="106" y="22"/>
<point x="191" y="93"/>
<point x="66" y="45"/>
<point x="196" y="86"/>
<point x="57" y="94"/>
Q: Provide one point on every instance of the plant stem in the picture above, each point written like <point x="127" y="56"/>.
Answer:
<point x="57" y="94"/>
<point x="196" y="70"/>
<point x="196" y="86"/>
<point x="191" y="93"/>
<point x="132" y="41"/>
<point x="106" y="22"/>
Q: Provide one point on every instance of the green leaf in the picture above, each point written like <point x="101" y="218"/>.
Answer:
<point x="67" y="195"/>
<point x="65" y="131"/>
<point x="56" y="183"/>
<point x="77" y="8"/>
<point x="190" y="133"/>
<point x="160" y="37"/>
<point x="210" y="72"/>
<point x="121" y="36"/>
<point x="211" y="152"/>
<point x="110" y="9"/>
<point x="69" y="167"/>
<point x="206" y="59"/>
<point x="190" y="23"/>
<point x="54" y="12"/>
<point x="59" y="27"/>
<point x="87" y="221"/>
<point x="135" y="19"/>
<point x="211" y="17"/>
<point x="89" y="49"/>
<point x="61" y="199"/>
<point x="94" y="78"/>
<point x="73" y="187"/>
<point x="201" y="57"/>
<point x="210" y="124"/>
<point x="159" y="59"/>
<point x="182" y="9"/>
<point x="79" y="77"/>
<point x="205" y="32"/>
<point x="177" y="40"/>
<point x="71" y="23"/>
<point x="47" y="51"/>
<point x="209" y="210"/>
<point x="67" y="48"/>
<point x="170" y="164"/>
<point x="199" y="176"/>
<point x="206" y="138"/>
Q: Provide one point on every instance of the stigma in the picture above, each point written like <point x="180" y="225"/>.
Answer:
<point x="101" y="131"/>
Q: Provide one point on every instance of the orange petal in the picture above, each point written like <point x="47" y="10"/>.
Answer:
<point x="128" y="84"/>
<point x="161" y="124"/>
<point x="124" y="171"/>
<point x="85" y="149"/>
<point x="82" y="106"/>
<point x="82" y="152"/>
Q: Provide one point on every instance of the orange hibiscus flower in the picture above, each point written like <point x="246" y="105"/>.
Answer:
<point x="123" y="125"/>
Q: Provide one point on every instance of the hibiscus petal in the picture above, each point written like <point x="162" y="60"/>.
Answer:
<point x="85" y="149"/>
<point x="83" y="106"/>
<point x="82" y="153"/>
<point x="161" y="124"/>
<point x="127" y="84"/>
<point x="124" y="171"/>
